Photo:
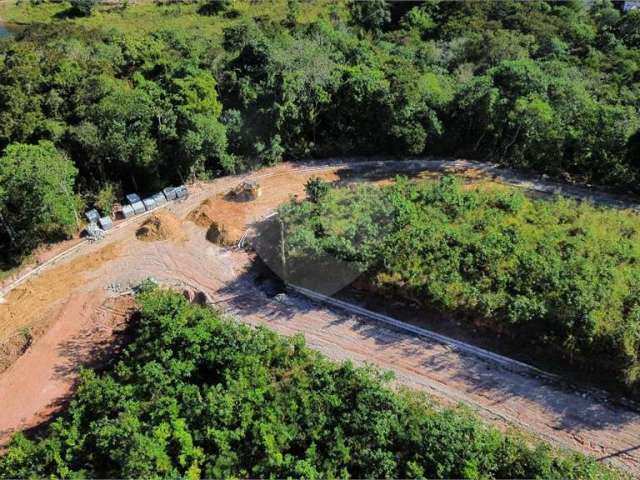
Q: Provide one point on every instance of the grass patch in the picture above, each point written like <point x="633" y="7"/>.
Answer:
<point x="142" y="18"/>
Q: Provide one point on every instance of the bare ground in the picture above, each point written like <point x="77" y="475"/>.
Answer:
<point x="78" y="302"/>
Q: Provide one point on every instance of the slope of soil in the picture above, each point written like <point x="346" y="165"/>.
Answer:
<point x="223" y="235"/>
<point x="38" y="257"/>
<point x="82" y="333"/>
<point x="30" y="304"/>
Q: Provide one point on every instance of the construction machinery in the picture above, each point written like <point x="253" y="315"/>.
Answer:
<point x="246" y="191"/>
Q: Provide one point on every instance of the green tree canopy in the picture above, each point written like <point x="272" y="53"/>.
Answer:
<point x="37" y="199"/>
<point x="198" y="396"/>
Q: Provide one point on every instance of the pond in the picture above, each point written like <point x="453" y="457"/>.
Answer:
<point x="6" y="30"/>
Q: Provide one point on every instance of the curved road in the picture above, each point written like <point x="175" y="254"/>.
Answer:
<point x="36" y="385"/>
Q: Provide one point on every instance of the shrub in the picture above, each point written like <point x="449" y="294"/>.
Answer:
<point x="82" y="8"/>
<point x="556" y="274"/>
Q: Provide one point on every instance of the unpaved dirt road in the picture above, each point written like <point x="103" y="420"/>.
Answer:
<point x="78" y="298"/>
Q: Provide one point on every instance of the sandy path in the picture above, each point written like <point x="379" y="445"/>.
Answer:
<point x="85" y="325"/>
<point x="31" y="388"/>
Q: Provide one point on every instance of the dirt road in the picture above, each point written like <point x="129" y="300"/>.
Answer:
<point x="81" y="313"/>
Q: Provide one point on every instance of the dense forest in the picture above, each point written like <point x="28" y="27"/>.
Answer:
<point x="195" y="395"/>
<point x="550" y="86"/>
<point x="554" y="276"/>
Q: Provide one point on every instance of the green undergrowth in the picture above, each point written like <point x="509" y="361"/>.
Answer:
<point x="556" y="275"/>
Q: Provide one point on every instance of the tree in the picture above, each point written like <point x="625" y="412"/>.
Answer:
<point x="358" y="118"/>
<point x="21" y="82"/>
<point x="117" y="134"/>
<point x="316" y="188"/>
<point x="629" y="29"/>
<point x="204" y="144"/>
<point x="203" y="138"/>
<point x="371" y="15"/>
<point x="37" y="200"/>
<point x="214" y="7"/>
<point x="106" y="197"/>
<point x="82" y="8"/>
<point x="293" y="10"/>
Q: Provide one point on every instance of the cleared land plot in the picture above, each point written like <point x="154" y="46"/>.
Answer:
<point x="569" y="418"/>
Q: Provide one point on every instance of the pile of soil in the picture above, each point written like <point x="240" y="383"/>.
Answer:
<point x="161" y="226"/>
<point x="197" y="297"/>
<point x="202" y="215"/>
<point x="14" y="346"/>
<point x="224" y="235"/>
<point x="245" y="192"/>
<point x="207" y="215"/>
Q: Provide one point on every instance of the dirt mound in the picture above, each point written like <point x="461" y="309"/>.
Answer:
<point x="224" y="235"/>
<point x="197" y="297"/>
<point x="161" y="226"/>
<point x="202" y="214"/>
<point x="13" y="347"/>
<point x="206" y="215"/>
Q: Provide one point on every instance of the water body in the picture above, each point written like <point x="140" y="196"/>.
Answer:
<point x="5" y="30"/>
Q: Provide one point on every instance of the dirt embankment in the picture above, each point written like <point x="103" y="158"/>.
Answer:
<point x="40" y="382"/>
<point x="27" y="305"/>
<point x="207" y="216"/>
<point x="30" y="308"/>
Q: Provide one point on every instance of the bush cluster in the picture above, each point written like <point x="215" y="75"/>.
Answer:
<point x="195" y="395"/>
<point x="558" y="275"/>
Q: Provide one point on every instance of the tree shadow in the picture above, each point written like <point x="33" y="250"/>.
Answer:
<point x="68" y="13"/>
<point x="212" y="8"/>
<point x="261" y="292"/>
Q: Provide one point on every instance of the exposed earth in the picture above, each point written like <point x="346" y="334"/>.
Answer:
<point x="78" y="303"/>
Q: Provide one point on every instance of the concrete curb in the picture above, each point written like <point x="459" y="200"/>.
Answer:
<point x="505" y="362"/>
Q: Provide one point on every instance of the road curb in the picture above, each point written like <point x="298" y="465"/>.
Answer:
<point x="505" y="362"/>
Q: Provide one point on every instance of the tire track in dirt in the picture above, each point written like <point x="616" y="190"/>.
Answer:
<point x="30" y="388"/>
